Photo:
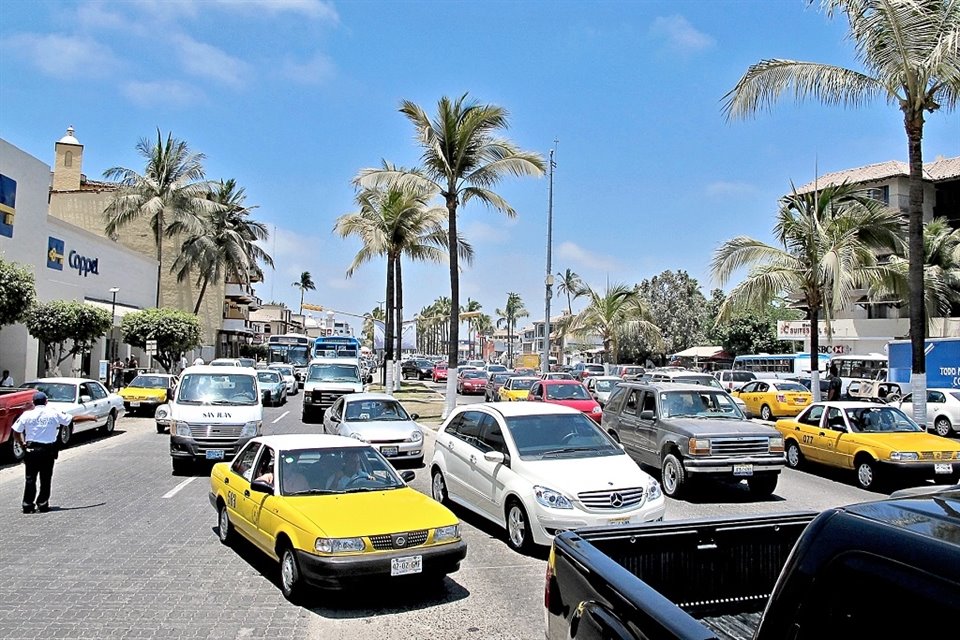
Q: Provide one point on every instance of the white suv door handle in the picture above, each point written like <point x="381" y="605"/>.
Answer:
<point x="450" y="446"/>
<point x="473" y="459"/>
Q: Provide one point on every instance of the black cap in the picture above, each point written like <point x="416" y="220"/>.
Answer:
<point x="39" y="398"/>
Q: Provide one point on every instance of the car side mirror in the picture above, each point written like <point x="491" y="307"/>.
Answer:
<point x="370" y="379"/>
<point x="262" y="487"/>
<point x="85" y="399"/>
<point x="495" y="457"/>
<point x="414" y="416"/>
<point x="407" y="476"/>
<point x="647" y="414"/>
<point x="169" y="395"/>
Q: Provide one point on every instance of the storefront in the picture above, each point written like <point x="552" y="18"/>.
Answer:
<point x="68" y="263"/>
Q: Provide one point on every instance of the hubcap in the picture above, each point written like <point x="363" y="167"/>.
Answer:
<point x="110" y="423"/>
<point x="287" y="570"/>
<point x="865" y="474"/>
<point x="516" y="526"/>
<point x="18" y="451"/>
<point x="224" y="523"/>
<point x="943" y="428"/>
<point x="765" y="413"/>
<point x="669" y="477"/>
<point x="793" y="456"/>
<point x="438" y="487"/>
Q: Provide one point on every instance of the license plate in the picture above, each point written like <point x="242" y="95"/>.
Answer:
<point x="943" y="468"/>
<point x="618" y="521"/>
<point x="134" y="404"/>
<point x="743" y="469"/>
<point x="799" y="400"/>
<point x="214" y="454"/>
<point x="389" y="451"/>
<point x="406" y="566"/>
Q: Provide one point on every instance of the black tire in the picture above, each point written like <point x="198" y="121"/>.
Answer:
<point x="291" y="580"/>
<point x="942" y="427"/>
<point x="182" y="466"/>
<point x="17" y="451"/>
<point x="866" y="474"/>
<point x="225" y="530"/>
<point x="519" y="536"/>
<point x="65" y="434"/>
<point x="794" y="455"/>
<point x="765" y="413"/>
<point x="438" y="487"/>
<point x="764" y="484"/>
<point x="110" y="424"/>
<point x="673" y="476"/>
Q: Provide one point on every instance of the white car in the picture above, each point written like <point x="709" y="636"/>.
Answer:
<point x="538" y="469"/>
<point x="733" y="380"/>
<point x="943" y="410"/>
<point x="600" y="387"/>
<point x="79" y="396"/>
<point x="381" y="421"/>
<point x="289" y="377"/>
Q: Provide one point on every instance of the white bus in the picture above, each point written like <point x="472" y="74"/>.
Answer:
<point x="293" y="349"/>
<point x="779" y="365"/>
<point x="872" y="366"/>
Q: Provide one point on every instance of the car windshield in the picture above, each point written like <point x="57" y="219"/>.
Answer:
<point x="881" y="420"/>
<point x="538" y="437"/>
<point x="334" y="373"/>
<point x="697" y="404"/>
<point x="706" y="381"/>
<point x="224" y="363"/>
<point x="335" y="470"/>
<point x="284" y="371"/>
<point x="790" y="386"/>
<point x="150" y="382"/>
<point x="519" y="384"/>
<point x="379" y="410"/>
<point x="593" y="367"/>
<point x="270" y="377"/>
<point x="496" y="368"/>
<point x="55" y="391"/>
<point x="557" y="376"/>
<point x="473" y="373"/>
<point x="567" y="392"/>
<point x="606" y="385"/>
<point x="214" y="388"/>
<point x="500" y="378"/>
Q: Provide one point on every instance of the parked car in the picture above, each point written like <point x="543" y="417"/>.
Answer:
<point x="78" y="396"/>
<point x="439" y="371"/>
<point x="630" y="371"/>
<point x="13" y="402"/>
<point x="771" y="399"/>
<point x="556" y="375"/>
<point x="419" y="369"/>
<point x="516" y="389"/>
<point x="568" y="393"/>
<point x="491" y="392"/>
<point x="763" y="577"/>
<point x="288" y="373"/>
<point x="379" y="420"/>
<point x="733" y="380"/>
<point x="273" y="389"/>
<point x="600" y="387"/>
<point x="943" y="410"/>
<point x="325" y="527"/>
<point x="581" y="370"/>
<point x="693" y="431"/>
<point x="876" y="441"/>
<point x="147" y="391"/>
<point x="538" y="469"/>
<point x="471" y="381"/>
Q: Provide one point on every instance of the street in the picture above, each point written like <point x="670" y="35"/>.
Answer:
<point x="129" y="550"/>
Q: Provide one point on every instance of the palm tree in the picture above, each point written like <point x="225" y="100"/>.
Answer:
<point x="463" y="160"/>
<point x="910" y="58"/>
<point x="483" y="326"/>
<point x="829" y="241"/>
<point x="171" y="188"/>
<point x="507" y="317"/>
<point x="221" y="243"/>
<point x="571" y="284"/>
<point x="369" y="329"/>
<point x="305" y="283"/>
<point x="613" y="314"/>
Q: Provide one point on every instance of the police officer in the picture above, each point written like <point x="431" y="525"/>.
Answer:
<point x="37" y="431"/>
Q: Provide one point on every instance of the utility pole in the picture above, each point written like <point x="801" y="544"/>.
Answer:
<point x="545" y="358"/>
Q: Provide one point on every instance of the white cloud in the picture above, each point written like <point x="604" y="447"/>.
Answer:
<point x="94" y="15"/>
<point x="206" y="61"/>
<point x="162" y="92"/>
<point x="723" y="188"/>
<point x="309" y="8"/>
<point x="580" y="257"/>
<point x="316" y="70"/>
<point x="481" y="233"/>
<point x="679" y="35"/>
<point x="63" y="57"/>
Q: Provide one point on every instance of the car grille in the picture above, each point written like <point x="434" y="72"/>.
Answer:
<point x="325" y="399"/>
<point x="394" y="441"/>
<point x="215" y="431"/>
<point x="739" y="446"/>
<point x="612" y="499"/>
<point x="398" y="540"/>
<point x="936" y="455"/>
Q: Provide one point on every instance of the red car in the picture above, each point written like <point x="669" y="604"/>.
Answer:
<point x="472" y="381"/>
<point x="569" y="393"/>
<point x="439" y="371"/>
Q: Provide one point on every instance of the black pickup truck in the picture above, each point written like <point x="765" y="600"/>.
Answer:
<point x="885" y="569"/>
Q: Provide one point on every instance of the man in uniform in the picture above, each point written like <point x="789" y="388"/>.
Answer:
<point x="37" y="431"/>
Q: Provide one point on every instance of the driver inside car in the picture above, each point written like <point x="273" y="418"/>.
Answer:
<point x="351" y="470"/>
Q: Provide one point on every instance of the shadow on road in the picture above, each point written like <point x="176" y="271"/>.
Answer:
<point x="77" y="440"/>
<point x="494" y="531"/>
<point x="721" y="492"/>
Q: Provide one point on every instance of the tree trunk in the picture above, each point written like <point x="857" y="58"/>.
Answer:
<point x="388" y="322"/>
<point x="453" y="343"/>
<point x="159" y="254"/>
<point x="814" y="314"/>
<point x="203" y="290"/>
<point x="302" y="291"/>
<point x="913" y="122"/>
<point x="398" y="285"/>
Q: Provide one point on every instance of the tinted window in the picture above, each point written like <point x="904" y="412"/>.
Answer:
<point x="633" y="402"/>
<point x="243" y="465"/>
<point x="492" y="435"/>
<point x="649" y="402"/>
<point x="935" y="396"/>
<point x="616" y="397"/>
<point x="791" y="386"/>
<point x="812" y="416"/>
<point x="469" y="430"/>
<point x="567" y="392"/>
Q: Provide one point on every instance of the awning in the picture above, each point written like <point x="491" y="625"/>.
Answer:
<point x="699" y="352"/>
<point x="119" y="310"/>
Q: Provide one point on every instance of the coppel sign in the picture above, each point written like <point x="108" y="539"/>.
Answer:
<point x="56" y="252"/>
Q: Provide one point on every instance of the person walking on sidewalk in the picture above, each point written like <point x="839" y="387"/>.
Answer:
<point x="6" y="380"/>
<point x="37" y="431"/>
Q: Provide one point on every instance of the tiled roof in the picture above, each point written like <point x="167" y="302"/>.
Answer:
<point x="943" y="169"/>
<point x="940" y="169"/>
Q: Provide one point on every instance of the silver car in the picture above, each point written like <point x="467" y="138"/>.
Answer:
<point x="381" y="421"/>
<point x="273" y="389"/>
<point x="286" y="372"/>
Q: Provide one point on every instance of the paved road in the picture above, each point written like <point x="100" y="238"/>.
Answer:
<point x="131" y="551"/>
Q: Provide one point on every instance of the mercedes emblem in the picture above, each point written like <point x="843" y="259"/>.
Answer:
<point x="616" y="500"/>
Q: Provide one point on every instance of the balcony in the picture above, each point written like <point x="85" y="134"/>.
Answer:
<point x="236" y="325"/>
<point x="239" y="292"/>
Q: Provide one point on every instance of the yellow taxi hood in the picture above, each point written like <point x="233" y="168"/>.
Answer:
<point x="915" y="441"/>
<point x="349" y="515"/>
<point x="142" y="392"/>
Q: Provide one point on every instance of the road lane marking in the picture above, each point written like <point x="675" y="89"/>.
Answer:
<point x="281" y="417"/>
<point x="176" y="489"/>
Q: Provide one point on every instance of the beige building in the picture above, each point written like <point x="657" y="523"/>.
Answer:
<point x="225" y="308"/>
<point x="272" y="320"/>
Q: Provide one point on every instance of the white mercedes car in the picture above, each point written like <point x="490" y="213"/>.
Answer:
<point x="538" y="469"/>
<point x="78" y="396"/>
<point x="381" y="421"/>
<point x="943" y="410"/>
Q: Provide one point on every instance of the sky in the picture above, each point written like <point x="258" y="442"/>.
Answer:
<point x="293" y="97"/>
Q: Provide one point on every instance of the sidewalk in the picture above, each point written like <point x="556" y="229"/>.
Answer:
<point x="418" y="398"/>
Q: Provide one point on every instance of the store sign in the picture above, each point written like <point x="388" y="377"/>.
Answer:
<point x="83" y="264"/>
<point x="8" y="205"/>
<point x="798" y="330"/>
<point x="56" y="252"/>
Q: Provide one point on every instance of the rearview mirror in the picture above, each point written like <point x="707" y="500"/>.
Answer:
<point x="647" y="414"/>
<point x="262" y="487"/>
<point x="495" y="457"/>
<point x="407" y="476"/>
<point x="85" y="399"/>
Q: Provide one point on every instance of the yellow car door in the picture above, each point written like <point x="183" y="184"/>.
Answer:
<point x="833" y="438"/>
<point x="236" y="485"/>
<point x="751" y="396"/>
<point x="807" y="432"/>
<point x="254" y="500"/>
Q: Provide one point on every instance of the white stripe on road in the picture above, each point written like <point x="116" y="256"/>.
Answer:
<point x="280" y="417"/>
<point x="176" y="489"/>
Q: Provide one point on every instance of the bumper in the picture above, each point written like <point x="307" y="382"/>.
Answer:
<point x="401" y="450"/>
<point x="547" y="523"/>
<point x="788" y="410"/>
<point x="338" y="572"/>
<point x="184" y="447"/>
<point x="724" y="466"/>
<point x="922" y="469"/>
<point x="136" y="405"/>
<point x="471" y="389"/>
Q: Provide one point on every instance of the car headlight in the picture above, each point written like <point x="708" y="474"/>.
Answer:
<point x="904" y="456"/>
<point x="182" y="428"/>
<point x="338" y="545"/>
<point x="250" y="429"/>
<point x="358" y="436"/>
<point x="776" y="445"/>
<point x="653" y="491"/>
<point x="550" y="498"/>
<point x="416" y="436"/>
<point x="161" y="413"/>
<point x="698" y="446"/>
<point x="446" y="533"/>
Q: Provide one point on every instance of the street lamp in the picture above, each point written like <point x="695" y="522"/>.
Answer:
<point x="548" y="281"/>
<point x="113" y="323"/>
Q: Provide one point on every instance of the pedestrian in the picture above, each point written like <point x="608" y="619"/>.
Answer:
<point x="836" y="385"/>
<point x="117" y="368"/>
<point x="183" y="362"/>
<point x="6" y="380"/>
<point x="198" y="361"/>
<point x="37" y="430"/>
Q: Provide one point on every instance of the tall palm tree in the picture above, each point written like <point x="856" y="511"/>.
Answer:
<point x="305" y="283"/>
<point x="463" y="159"/>
<point x="613" y="314"/>
<point x="171" y="188"/>
<point x="221" y="243"/>
<point x="483" y="326"/>
<point x="571" y="284"/>
<point x="828" y="246"/>
<point x="507" y="317"/>
<point x="909" y="54"/>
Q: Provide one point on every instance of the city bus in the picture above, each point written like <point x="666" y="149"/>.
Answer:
<point x="779" y="365"/>
<point x="872" y="366"/>
<point x="293" y="349"/>
<point x="336" y="347"/>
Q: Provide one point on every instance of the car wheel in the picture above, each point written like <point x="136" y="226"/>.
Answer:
<point x="518" y="527"/>
<point x="942" y="426"/>
<point x="65" y="434"/>
<point x="110" y="425"/>
<point x="291" y="582"/>
<point x="763" y="485"/>
<point x="438" y="488"/>
<point x="224" y="529"/>
<point x="673" y="476"/>
<point x="794" y="456"/>
<point x="17" y="450"/>
<point x="182" y="466"/>
<point x="867" y="474"/>
<point x="765" y="413"/>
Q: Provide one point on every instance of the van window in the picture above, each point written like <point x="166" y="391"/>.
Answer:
<point x="216" y="388"/>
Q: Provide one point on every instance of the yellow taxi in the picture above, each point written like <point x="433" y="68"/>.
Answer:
<point x="516" y="389"/>
<point x="147" y="391"/>
<point x="771" y="399"/>
<point x="877" y="441"/>
<point x="333" y="512"/>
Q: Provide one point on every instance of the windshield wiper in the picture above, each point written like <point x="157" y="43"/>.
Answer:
<point x="567" y="450"/>
<point x="366" y="489"/>
<point x="305" y="492"/>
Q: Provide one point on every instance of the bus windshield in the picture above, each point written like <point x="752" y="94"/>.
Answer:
<point x="289" y="354"/>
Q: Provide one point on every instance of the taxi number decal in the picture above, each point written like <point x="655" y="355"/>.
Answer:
<point x="807" y="439"/>
<point x="232" y="500"/>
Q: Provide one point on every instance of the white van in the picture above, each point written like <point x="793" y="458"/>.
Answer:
<point x="212" y="414"/>
<point x="327" y="380"/>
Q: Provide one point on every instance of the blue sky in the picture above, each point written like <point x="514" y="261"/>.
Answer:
<point x="292" y="97"/>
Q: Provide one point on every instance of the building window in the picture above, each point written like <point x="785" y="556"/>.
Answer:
<point x="68" y="159"/>
<point x="881" y="194"/>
